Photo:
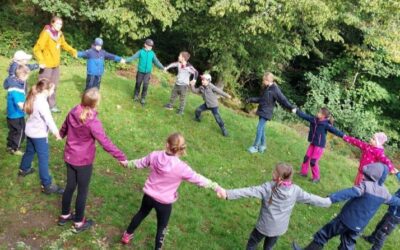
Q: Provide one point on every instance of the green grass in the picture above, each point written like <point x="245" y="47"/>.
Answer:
<point x="199" y="220"/>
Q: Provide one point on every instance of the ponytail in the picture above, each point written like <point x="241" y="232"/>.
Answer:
<point x="39" y="87"/>
<point x="90" y="100"/>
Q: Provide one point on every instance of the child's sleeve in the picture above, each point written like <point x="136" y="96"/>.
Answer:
<point x="253" y="100"/>
<point x="189" y="175"/>
<point x="68" y="47"/>
<point x="194" y="89"/>
<point x="307" y="198"/>
<point x="194" y="72"/>
<point x="48" y="118"/>
<point x="64" y="129"/>
<point x="40" y="46"/>
<point x="19" y="99"/>
<point x="140" y="163"/>
<point x="219" y="91"/>
<point x="355" y="142"/>
<point x="110" y="56"/>
<point x="335" y="131"/>
<point x="260" y="192"/>
<point x="348" y="193"/>
<point x="282" y="100"/>
<point x="83" y="54"/>
<point x="305" y="116"/>
<point x="172" y="65"/>
<point x="33" y="66"/>
<point x="134" y="57"/>
<point x="99" y="134"/>
<point x="385" y="160"/>
<point x="157" y="62"/>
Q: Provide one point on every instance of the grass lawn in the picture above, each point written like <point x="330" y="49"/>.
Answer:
<point x="199" y="220"/>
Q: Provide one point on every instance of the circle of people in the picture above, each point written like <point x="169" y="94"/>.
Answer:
<point x="82" y="128"/>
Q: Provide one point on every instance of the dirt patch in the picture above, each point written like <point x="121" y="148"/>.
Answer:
<point x="131" y="72"/>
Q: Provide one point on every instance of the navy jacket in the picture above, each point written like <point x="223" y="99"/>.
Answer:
<point x="95" y="60"/>
<point x="14" y="82"/>
<point x="318" y="129"/>
<point x="267" y="101"/>
<point x="14" y="65"/>
<point x="364" y="200"/>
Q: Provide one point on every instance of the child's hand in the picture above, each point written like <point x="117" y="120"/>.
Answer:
<point x="58" y="137"/>
<point x="124" y="163"/>
<point x="165" y="69"/>
<point x="192" y="82"/>
<point x="122" y="61"/>
<point x="221" y="193"/>
<point x="294" y="110"/>
<point x="229" y="97"/>
<point x="42" y="66"/>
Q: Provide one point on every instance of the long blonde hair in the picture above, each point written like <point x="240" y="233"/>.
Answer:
<point x="176" y="144"/>
<point x="39" y="87"/>
<point x="90" y="100"/>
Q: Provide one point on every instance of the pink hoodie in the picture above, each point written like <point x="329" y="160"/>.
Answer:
<point x="370" y="154"/>
<point x="80" y="147"/>
<point x="166" y="174"/>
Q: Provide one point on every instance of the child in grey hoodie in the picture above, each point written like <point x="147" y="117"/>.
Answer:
<point x="278" y="199"/>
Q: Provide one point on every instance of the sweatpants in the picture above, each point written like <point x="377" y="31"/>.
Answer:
<point x="163" y="212"/>
<point x="214" y="111"/>
<point x="384" y="228"/>
<point x="333" y="228"/>
<point x="77" y="176"/>
<point x="53" y="75"/>
<point x="256" y="237"/>
<point x="16" y="134"/>
<point x="180" y="91"/>
<point x="312" y="157"/>
<point x="39" y="146"/>
<point x="92" y="81"/>
<point x="142" y="79"/>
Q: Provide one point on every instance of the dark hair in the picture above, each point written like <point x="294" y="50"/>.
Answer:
<point x="328" y="115"/>
<point x="185" y="55"/>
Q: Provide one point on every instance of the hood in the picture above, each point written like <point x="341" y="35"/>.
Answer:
<point x="376" y="172"/>
<point x="283" y="192"/>
<point x="74" y="117"/>
<point x="13" y="82"/>
<point x="164" y="163"/>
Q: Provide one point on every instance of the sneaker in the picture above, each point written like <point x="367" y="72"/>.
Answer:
<point x="25" y="173"/>
<point x="135" y="99"/>
<point x="143" y="101"/>
<point x="55" y="110"/>
<point x="52" y="189"/>
<point x="224" y="132"/>
<point x="62" y="221"/>
<point x="126" y="238"/>
<point x="168" y="106"/>
<point x="315" y="181"/>
<point x="197" y="119"/>
<point x="252" y="149"/>
<point x="262" y="149"/>
<point x="368" y="239"/>
<point x="17" y="152"/>
<point x="85" y="226"/>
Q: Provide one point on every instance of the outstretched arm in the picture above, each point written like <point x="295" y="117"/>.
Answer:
<point x="172" y="65"/>
<point x="307" y="198"/>
<point x="134" y="57"/>
<point x="113" y="57"/>
<point x="335" y="131"/>
<point x="305" y="116"/>
<point x="347" y="194"/>
<point x="260" y="192"/>
<point x="253" y="100"/>
<point x="157" y="62"/>
<point x="67" y="47"/>
<point x="355" y="142"/>
<point x="140" y="163"/>
<point x="282" y="100"/>
<point x="83" y="54"/>
<point x="220" y="91"/>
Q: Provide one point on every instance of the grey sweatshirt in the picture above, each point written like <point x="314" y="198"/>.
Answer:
<point x="210" y="94"/>
<point x="184" y="72"/>
<point x="273" y="219"/>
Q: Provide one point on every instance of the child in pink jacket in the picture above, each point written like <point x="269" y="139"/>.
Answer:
<point x="83" y="128"/>
<point x="167" y="172"/>
<point x="370" y="153"/>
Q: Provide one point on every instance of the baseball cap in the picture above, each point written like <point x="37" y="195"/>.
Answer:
<point x="98" y="41"/>
<point x="21" y="55"/>
<point x="206" y="76"/>
<point x="149" y="42"/>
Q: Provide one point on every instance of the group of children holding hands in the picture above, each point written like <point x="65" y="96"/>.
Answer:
<point x="82" y="129"/>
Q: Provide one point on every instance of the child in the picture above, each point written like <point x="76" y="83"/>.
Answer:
<point x="363" y="202"/>
<point x="47" y="51"/>
<point x="210" y="96"/>
<point x="83" y="128"/>
<point x="319" y="126"/>
<point x="278" y="199"/>
<point x="271" y="94"/>
<point x="21" y="58"/>
<point x="146" y="59"/>
<point x="95" y="63"/>
<point x="370" y="152"/>
<point x="185" y="71"/>
<point x="167" y="172"/>
<point x="15" y="105"/>
<point x="38" y="124"/>
<point x="386" y="226"/>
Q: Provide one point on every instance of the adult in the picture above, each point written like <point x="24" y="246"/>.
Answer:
<point x="47" y="51"/>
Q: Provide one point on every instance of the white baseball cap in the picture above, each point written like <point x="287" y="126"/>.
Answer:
<point x="21" y="55"/>
<point x="206" y="76"/>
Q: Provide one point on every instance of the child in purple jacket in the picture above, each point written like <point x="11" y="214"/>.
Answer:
<point x="83" y="128"/>
<point x="167" y="172"/>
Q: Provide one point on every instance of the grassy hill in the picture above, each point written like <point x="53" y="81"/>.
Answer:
<point x="199" y="220"/>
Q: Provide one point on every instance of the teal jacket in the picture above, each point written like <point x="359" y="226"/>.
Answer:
<point x="146" y="60"/>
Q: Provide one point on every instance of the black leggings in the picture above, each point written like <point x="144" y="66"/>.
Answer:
<point x="256" y="237"/>
<point x="163" y="213"/>
<point x="76" y="176"/>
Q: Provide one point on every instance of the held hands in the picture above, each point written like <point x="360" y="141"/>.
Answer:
<point x="294" y="110"/>
<point x="165" y="69"/>
<point x="221" y="193"/>
<point x="42" y="66"/>
<point x="192" y="82"/>
<point x="124" y="163"/>
<point x="58" y="137"/>
<point x="123" y="61"/>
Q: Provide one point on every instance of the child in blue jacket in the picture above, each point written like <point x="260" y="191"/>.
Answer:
<point x="363" y="202"/>
<point x="95" y="63"/>
<point x="320" y="125"/>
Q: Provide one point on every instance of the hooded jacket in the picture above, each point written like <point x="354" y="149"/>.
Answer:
<point x="273" y="219"/>
<point x="267" y="101"/>
<point x="47" y="49"/>
<point x="365" y="199"/>
<point x="146" y="60"/>
<point x="95" y="60"/>
<point x="209" y="93"/>
<point x="318" y="129"/>
<point x="80" y="147"/>
<point x="14" y="65"/>
<point x="166" y="174"/>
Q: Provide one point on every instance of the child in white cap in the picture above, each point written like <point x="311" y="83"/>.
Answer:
<point x="21" y="58"/>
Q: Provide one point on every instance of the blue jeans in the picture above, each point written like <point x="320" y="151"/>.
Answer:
<point x="41" y="147"/>
<point x="260" y="135"/>
<point x="384" y="228"/>
<point x="214" y="111"/>
<point x="333" y="228"/>
<point x="92" y="81"/>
